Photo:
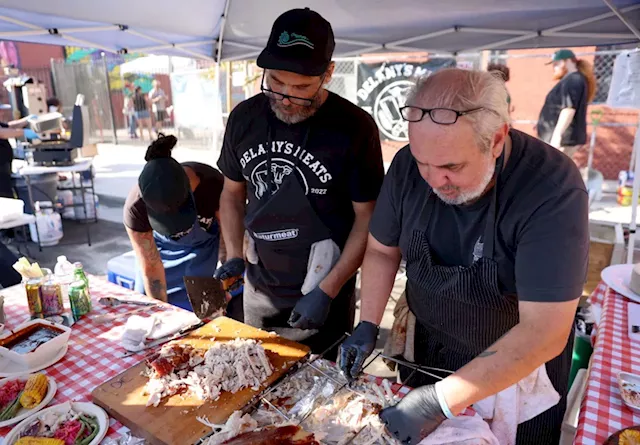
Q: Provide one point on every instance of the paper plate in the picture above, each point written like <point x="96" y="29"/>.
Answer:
<point x="618" y="278"/>
<point x="24" y="413"/>
<point x="86" y="408"/>
<point x="12" y="369"/>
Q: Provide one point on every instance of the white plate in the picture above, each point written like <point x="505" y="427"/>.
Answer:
<point x="618" y="278"/>
<point x="86" y="408"/>
<point x="24" y="413"/>
<point x="633" y="381"/>
<point x="12" y="369"/>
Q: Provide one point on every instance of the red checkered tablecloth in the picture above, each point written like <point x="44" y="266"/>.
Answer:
<point x="602" y="412"/>
<point x="94" y="355"/>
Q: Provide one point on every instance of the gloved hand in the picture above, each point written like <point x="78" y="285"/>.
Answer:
<point x="229" y="269"/>
<point x="415" y="416"/>
<point x="311" y="311"/>
<point x="30" y="134"/>
<point x="355" y="349"/>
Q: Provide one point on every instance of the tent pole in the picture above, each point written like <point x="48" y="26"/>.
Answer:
<point x="113" y="117"/>
<point x="622" y="18"/>
<point x="223" y="22"/>
<point x="634" y="198"/>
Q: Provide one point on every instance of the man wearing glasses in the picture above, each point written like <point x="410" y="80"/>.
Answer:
<point x="493" y="225"/>
<point x="308" y="165"/>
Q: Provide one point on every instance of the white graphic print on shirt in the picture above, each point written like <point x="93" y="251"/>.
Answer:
<point x="313" y="175"/>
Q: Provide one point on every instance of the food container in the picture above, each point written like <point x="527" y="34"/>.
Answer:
<point x="10" y="209"/>
<point x="629" y="385"/>
<point x="12" y="343"/>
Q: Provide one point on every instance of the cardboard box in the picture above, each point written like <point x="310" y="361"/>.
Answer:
<point x="89" y="151"/>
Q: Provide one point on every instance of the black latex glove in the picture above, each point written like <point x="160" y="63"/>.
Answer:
<point x="355" y="349"/>
<point x="415" y="416"/>
<point x="229" y="269"/>
<point x="311" y="311"/>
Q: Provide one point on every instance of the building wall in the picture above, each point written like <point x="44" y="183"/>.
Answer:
<point x="35" y="55"/>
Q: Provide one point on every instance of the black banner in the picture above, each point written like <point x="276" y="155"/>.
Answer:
<point x="382" y="90"/>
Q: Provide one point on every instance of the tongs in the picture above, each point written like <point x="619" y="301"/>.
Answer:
<point x="418" y="368"/>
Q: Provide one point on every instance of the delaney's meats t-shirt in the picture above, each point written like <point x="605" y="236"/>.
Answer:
<point x="570" y="92"/>
<point x="341" y="163"/>
<point x="542" y="237"/>
<point x="206" y="196"/>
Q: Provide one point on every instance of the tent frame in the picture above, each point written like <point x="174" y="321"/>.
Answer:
<point x="363" y="46"/>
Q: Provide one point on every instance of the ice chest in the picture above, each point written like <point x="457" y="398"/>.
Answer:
<point x="121" y="270"/>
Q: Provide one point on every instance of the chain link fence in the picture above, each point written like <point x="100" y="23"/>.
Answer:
<point x="91" y="80"/>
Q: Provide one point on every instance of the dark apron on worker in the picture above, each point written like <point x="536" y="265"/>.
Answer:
<point x="461" y="311"/>
<point x="284" y="228"/>
<point x="194" y="254"/>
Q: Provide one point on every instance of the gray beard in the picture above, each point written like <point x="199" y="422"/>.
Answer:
<point x="471" y="195"/>
<point x="304" y="114"/>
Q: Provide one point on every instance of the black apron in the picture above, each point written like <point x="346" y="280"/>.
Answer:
<point x="461" y="311"/>
<point x="284" y="228"/>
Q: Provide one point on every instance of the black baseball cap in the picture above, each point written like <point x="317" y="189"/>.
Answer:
<point x="165" y="189"/>
<point x="301" y="41"/>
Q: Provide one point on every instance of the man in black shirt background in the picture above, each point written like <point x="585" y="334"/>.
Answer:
<point x="310" y="165"/>
<point x="563" y="118"/>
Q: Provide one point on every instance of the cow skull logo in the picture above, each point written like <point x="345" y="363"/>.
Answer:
<point x="386" y="110"/>
<point x="260" y="178"/>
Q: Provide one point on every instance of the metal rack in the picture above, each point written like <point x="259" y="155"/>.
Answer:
<point x="79" y="167"/>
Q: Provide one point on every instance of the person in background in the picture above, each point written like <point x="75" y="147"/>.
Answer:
<point x="303" y="168"/>
<point x="158" y="100"/>
<point x="141" y="112"/>
<point x="172" y="219"/>
<point x="504" y="73"/>
<point x="129" y="111"/>
<point x="13" y="129"/>
<point x="563" y="119"/>
<point x="494" y="227"/>
<point x="54" y="104"/>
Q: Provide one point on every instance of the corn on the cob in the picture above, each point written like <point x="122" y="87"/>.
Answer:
<point x="34" y="391"/>
<point x="629" y="437"/>
<point x="39" y="441"/>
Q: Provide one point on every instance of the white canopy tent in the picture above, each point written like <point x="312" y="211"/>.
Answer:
<point x="238" y="29"/>
<point x="157" y="65"/>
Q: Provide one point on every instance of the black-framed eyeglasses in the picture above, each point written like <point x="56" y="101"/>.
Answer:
<point x="442" y="116"/>
<point x="302" y="101"/>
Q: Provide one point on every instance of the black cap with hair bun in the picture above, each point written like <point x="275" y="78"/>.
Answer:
<point x="161" y="147"/>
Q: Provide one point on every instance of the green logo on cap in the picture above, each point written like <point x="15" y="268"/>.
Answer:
<point x="293" y="39"/>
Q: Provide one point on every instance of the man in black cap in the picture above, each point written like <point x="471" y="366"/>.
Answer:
<point x="171" y="217"/>
<point x="308" y="165"/>
<point x="563" y="118"/>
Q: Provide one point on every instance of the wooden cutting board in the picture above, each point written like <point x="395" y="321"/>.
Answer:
<point x="174" y="420"/>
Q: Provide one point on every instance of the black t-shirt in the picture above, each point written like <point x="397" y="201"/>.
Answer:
<point x="206" y="196"/>
<point x="6" y="157"/>
<point x="340" y="164"/>
<point x="542" y="237"/>
<point x="570" y="92"/>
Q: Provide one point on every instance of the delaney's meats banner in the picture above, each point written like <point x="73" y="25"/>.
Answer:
<point x="382" y="91"/>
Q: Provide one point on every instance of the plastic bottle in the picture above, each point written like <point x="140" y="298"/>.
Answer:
<point x="63" y="270"/>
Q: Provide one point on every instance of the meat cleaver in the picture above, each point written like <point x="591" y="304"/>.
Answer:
<point x="205" y="295"/>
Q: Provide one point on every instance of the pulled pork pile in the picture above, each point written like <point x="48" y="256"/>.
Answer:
<point x="226" y="366"/>
<point x="316" y="397"/>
